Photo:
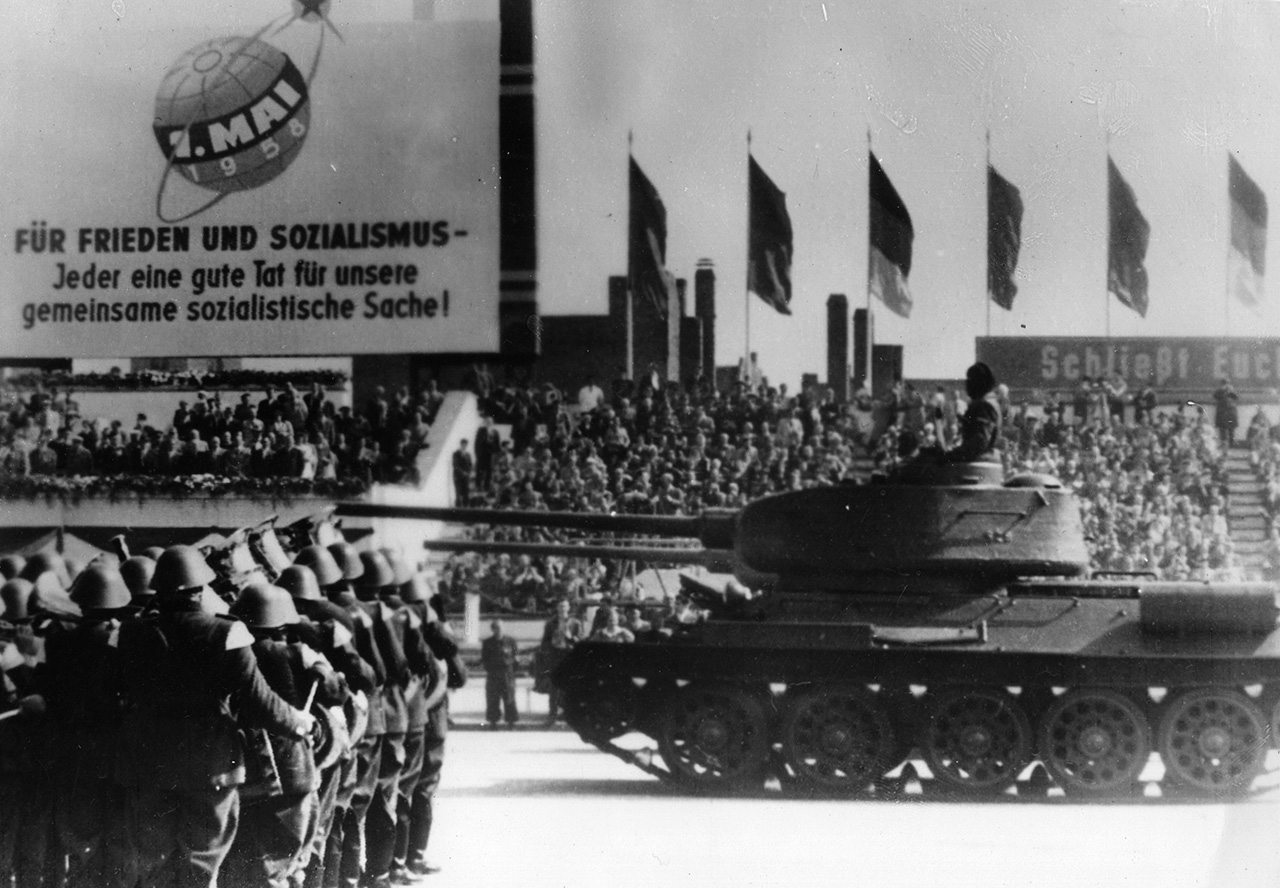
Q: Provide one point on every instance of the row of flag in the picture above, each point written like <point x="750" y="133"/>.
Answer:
<point x="770" y="249"/>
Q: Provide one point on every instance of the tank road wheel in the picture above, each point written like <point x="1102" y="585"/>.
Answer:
<point x="977" y="739"/>
<point x="837" y="739"/>
<point x="1213" y="740"/>
<point x="1094" y="741"/>
<point x="715" y="736"/>
<point x="602" y="709"/>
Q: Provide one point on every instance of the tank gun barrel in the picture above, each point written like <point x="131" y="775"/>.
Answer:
<point x="712" y="528"/>
<point x="710" y="558"/>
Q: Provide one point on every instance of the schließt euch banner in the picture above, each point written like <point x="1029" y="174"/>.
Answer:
<point x="280" y="178"/>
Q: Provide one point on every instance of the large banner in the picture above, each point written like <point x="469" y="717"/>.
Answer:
<point x="185" y="179"/>
<point x="1060" y="362"/>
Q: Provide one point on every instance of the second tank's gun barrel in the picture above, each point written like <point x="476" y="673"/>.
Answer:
<point x="713" y="528"/>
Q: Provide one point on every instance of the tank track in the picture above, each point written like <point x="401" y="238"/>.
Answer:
<point x="954" y="741"/>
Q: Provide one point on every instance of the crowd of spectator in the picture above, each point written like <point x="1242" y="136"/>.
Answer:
<point x="1263" y="439"/>
<point x="1153" y="494"/>
<point x="1151" y="481"/>
<point x="282" y="433"/>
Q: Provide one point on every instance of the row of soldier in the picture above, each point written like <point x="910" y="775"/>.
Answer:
<point x="152" y="733"/>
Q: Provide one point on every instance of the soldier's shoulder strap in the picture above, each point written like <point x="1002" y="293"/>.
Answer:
<point x="235" y="634"/>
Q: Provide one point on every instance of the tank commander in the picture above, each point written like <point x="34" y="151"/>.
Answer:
<point x="980" y="425"/>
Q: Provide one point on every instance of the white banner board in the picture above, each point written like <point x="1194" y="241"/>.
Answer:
<point x="296" y="185"/>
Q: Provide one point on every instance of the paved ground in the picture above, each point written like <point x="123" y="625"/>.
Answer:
<point x="536" y="808"/>
<point x="466" y="706"/>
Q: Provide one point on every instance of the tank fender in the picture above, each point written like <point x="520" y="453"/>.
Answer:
<point x="1189" y="607"/>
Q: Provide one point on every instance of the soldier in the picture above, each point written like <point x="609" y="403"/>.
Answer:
<point x="137" y="572"/>
<point x="277" y="820"/>
<point x="24" y="812"/>
<point x="417" y="791"/>
<point x="334" y="631"/>
<point x="180" y="754"/>
<point x="377" y="589"/>
<point x="81" y="682"/>
<point x="375" y="643"/>
<point x="48" y="613"/>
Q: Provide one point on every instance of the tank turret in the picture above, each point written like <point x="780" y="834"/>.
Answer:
<point x="848" y="538"/>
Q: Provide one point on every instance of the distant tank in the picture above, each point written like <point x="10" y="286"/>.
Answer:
<point x="945" y="616"/>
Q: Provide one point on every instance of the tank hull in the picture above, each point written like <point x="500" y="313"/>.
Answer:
<point x="1083" y="688"/>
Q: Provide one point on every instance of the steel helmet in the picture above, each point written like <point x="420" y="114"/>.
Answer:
<point x="15" y="594"/>
<point x="300" y="581"/>
<point x="11" y="566"/>
<point x="348" y="560"/>
<point x="264" y="606"/>
<point x="181" y="567"/>
<point x="418" y="589"/>
<point x="399" y="566"/>
<point x="46" y="561"/>
<point x="153" y="552"/>
<point x="50" y="597"/>
<point x="103" y="559"/>
<point x="376" y="573"/>
<point x="74" y="567"/>
<point x="100" y="587"/>
<point x="137" y="572"/>
<point x="320" y="561"/>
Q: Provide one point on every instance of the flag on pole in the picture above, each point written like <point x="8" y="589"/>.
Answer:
<point x="1004" y="237"/>
<point x="1126" y="243"/>
<point x="1247" y="258"/>
<point x="647" y="241"/>
<point x="891" y="237"/>
<point x="768" y="240"/>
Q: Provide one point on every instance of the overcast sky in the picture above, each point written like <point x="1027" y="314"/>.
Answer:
<point x="1173" y="86"/>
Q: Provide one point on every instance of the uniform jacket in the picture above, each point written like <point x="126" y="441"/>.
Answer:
<point x="287" y="671"/>
<point x="180" y="669"/>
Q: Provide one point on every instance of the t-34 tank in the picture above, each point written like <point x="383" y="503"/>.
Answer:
<point x="947" y="617"/>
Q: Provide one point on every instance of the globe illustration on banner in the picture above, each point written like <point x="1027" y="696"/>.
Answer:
<point x="232" y="113"/>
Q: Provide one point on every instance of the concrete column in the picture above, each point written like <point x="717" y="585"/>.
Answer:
<point x="838" y="346"/>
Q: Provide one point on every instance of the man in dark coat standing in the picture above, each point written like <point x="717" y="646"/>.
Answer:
<point x="498" y="654"/>
<point x="1226" y="415"/>
<point x="488" y="443"/>
<point x="463" y="465"/>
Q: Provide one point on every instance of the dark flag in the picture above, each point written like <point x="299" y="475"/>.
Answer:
<point x="647" y="241"/>
<point x="891" y="237"/>
<point x="768" y="240"/>
<point x="1126" y="243"/>
<point x="1247" y="259"/>
<point x="1004" y="237"/>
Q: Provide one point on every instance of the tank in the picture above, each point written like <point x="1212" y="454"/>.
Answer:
<point x="938" y="633"/>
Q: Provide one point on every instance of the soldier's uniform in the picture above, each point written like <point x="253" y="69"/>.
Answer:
<point x="278" y="800"/>
<point x="331" y="630"/>
<point x="377" y="645"/>
<point x="22" y="775"/>
<point x="401" y="744"/>
<point x="180" y="757"/>
<point x="81" y="683"/>
<point x="29" y="742"/>
<point x="417" y="791"/>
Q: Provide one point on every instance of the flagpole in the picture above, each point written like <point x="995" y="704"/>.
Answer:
<point x="631" y="294"/>
<point x="868" y="223"/>
<point x="987" y="174"/>
<point x="746" y="289"/>
<point x="1226" y="269"/>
